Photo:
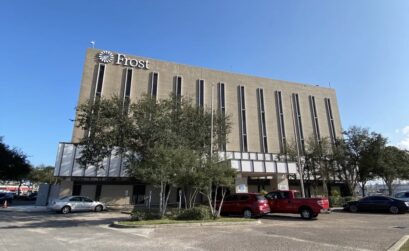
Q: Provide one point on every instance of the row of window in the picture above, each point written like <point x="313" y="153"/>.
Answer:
<point x="200" y="88"/>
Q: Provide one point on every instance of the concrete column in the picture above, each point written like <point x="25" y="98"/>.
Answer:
<point x="279" y="182"/>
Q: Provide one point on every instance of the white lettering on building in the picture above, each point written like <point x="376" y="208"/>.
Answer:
<point x="121" y="59"/>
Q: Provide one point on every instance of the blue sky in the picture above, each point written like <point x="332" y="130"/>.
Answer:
<point x="360" y="47"/>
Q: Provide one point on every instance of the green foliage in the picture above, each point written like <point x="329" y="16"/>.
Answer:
<point x="141" y="215"/>
<point x="164" y="142"/>
<point x="394" y="164"/>
<point x="43" y="174"/>
<point x="13" y="163"/>
<point x="195" y="213"/>
<point x="338" y="201"/>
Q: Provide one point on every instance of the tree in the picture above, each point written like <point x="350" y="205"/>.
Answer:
<point x="394" y="164"/>
<point x="42" y="174"/>
<point x="215" y="176"/>
<point x="348" y="154"/>
<point x="160" y="140"/>
<point x="13" y="163"/>
<point x="370" y="159"/>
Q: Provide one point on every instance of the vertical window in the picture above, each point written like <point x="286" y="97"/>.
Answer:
<point x="298" y="123"/>
<point x="281" y="125"/>
<point x="100" y="80"/>
<point x="243" y="123"/>
<point x="222" y="111"/>
<point x="330" y="120"/>
<point x="127" y="88"/>
<point x="154" y="84"/>
<point x="200" y="93"/>
<point x="262" y="118"/>
<point x="314" y="116"/>
<point x="178" y="86"/>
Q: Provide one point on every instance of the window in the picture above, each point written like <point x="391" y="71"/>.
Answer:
<point x="77" y="199"/>
<point x="243" y="123"/>
<point x="262" y="119"/>
<point x="243" y="197"/>
<point x="298" y="124"/>
<point x="280" y="119"/>
<point x="154" y="84"/>
<point x="330" y="120"/>
<point x="232" y="198"/>
<point x="222" y="110"/>
<point x="200" y="93"/>
<point x="127" y="89"/>
<point x="85" y="199"/>
<point x="100" y="80"/>
<point x="178" y="86"/>
<point x="314" y="116"/>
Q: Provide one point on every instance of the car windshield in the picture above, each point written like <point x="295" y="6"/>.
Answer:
<point x="260" y="197"/>
<point x="64" y="198"/>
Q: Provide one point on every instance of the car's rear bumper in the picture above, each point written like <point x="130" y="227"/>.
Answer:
<point x="325" y="210"/>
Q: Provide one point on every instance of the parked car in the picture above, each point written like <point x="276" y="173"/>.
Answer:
<point x="69" y="204"/>
<point x="4" y="196"/>
<point x="246" y="204"/>
<point x="290" y="201"/>
<point x="377" y="204"/>
<point x="402" y="196"/>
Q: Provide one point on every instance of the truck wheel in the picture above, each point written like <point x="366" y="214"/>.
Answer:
<point x="247" y="213"/>
<point x="306" y="213"/>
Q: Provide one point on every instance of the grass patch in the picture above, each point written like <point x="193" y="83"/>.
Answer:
<point x="170" y="221"/>
<point x="405" y="247"/>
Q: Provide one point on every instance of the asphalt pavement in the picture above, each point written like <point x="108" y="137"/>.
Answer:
<point x="42" y="230"/>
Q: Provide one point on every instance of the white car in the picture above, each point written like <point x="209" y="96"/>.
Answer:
<point x="69" y="204"/>
<point x="402" y="196"/>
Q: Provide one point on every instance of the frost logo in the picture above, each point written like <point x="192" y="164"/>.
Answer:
<point x="106" y="56"/>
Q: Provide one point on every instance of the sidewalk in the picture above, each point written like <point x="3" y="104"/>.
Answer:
<point x="28" y="208"/>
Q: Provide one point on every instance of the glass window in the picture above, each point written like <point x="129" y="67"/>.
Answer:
<point x="330" y="120"/>
<point x="243" y="197"/>
<point x="100" y="80"/>
<point x="243" y="124"/>
<point x="178" y="86"/>
<point x="298" y="123"/>
<point x="75" y="199"/>
<point x="154" y="84"/>
<point x="315" y="123"/>
<point x="231" y="198"/>
<point x="262" y="115"/>
<point x="200" y="93"/>
<point x="281" y="125"/>
<point x="85" y="199"/>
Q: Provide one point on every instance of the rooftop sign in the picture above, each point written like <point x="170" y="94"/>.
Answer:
<point x="108" y="57"/>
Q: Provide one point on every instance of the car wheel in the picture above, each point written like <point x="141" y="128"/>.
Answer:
<point x="98" y="208"/>
<point x="394" y="210"/>
<point x="306" y="213"/>
<point x="65" y="210"/>
<point x="247" y="213"/>
<point x="353" y="208"/>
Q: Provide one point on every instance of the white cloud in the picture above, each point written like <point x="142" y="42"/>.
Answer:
<point x="404" y="143"/>
<point x="405" y="130"/>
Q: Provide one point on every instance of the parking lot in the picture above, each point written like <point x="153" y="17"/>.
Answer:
<point x="90" y="231"/>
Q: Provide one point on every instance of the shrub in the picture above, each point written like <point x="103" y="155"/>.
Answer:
<point x="195" y="213"/>
<point x="139" y="215"/>
<point x="338" y="201"/>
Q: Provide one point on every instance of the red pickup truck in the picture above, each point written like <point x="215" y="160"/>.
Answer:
<point x="291" y="202"/>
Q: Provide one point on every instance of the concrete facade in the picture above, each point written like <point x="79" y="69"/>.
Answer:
<point x="255" y="162"/>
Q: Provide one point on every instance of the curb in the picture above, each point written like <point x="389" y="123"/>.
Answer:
<point x="399" y="243"/>
<point x="116" y="224"/>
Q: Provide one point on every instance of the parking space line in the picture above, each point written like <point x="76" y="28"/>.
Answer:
<point x="318" y="243"/>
